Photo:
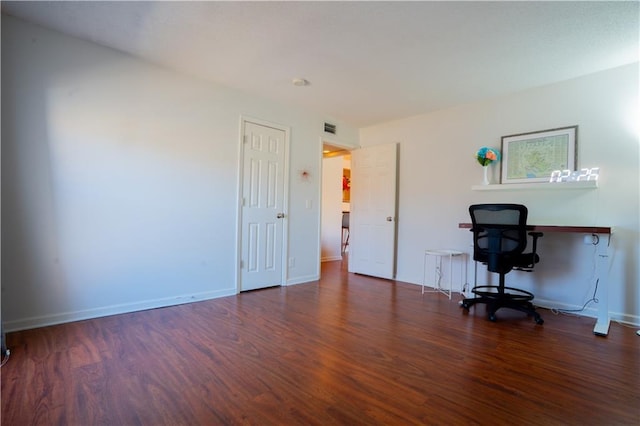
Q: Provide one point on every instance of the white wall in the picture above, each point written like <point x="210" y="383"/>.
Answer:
<point x="331" y="241"/>
<point x="119" y="181"/>
<point x="437" y="170"/>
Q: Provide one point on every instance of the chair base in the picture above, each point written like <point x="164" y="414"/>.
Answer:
<point x="496" y="297"/>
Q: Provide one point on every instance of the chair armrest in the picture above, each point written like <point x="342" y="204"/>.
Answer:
<point x="535" y="236"/>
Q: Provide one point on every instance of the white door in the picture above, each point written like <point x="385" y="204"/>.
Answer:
<point x="372" y="241"/>
<point x="263" y="206"/>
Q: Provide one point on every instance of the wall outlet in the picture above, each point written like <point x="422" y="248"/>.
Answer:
<point x="590" y="240"/>
<point x="292" y="262"/>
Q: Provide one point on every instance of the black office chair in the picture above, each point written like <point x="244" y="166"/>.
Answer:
<point x="345" y="231"/>
<point x="499" y="241"/>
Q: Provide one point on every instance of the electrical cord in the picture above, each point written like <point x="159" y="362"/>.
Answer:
<point x="593" y="299"/>
<point x="5" y="358"/>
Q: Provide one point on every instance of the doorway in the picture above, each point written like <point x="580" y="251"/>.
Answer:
<point x="373" y="218"/>
<point x="336" y="191"/>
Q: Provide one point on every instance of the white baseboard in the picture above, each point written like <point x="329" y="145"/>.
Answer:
<point x="46" y="320"/>
<point x="633" y="320"/>
<point x="330" y="258"/>
<point x="302" y="279"/>
<point x="590" y="311"/>
<point x="456" y="287"/>
<point x="43" y="321"/>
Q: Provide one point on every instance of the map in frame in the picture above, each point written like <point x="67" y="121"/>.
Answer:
<point x="531" y="157"/>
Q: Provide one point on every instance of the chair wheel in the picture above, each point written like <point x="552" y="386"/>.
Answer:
<point x="492" y="317"/>
<point x="464" y="305"/>
<point x="539" y="321"/>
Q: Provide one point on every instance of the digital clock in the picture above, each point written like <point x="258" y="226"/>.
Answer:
<point x="574" y="176"/>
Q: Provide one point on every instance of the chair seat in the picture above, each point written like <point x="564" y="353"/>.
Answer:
<point x="521" y="260"/>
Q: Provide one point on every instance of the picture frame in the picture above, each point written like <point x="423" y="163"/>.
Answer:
<point x="346" y="185"/>
<point x="531" y="157"/>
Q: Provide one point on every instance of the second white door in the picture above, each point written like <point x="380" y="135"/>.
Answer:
<point x="263" y="206"/>
<point x="372" y="242"/>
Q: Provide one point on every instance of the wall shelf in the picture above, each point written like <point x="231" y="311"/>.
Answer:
<point x="589" y="184"/>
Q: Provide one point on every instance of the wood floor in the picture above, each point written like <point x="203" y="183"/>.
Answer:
<point x="345" y="350"/>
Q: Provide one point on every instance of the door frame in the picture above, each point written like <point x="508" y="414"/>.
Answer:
<point x="285" y="205"/>
<point x="349" y="148"/>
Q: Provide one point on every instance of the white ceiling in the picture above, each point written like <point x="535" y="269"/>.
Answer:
<point x="367" y="62"/>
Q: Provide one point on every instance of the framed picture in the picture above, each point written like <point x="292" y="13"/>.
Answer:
<point x="346" y="185"/>
<point x="531" y="157"/>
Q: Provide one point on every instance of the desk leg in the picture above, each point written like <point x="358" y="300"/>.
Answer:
<point x="602" y="265"/>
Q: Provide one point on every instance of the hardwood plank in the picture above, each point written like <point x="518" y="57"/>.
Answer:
<point x="347" y="349"/>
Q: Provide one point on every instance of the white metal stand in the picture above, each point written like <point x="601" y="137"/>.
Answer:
<point x="437" y="271"/>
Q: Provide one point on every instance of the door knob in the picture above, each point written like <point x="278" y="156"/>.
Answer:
<point x="280" y="215"/>
<point x="389" y="219"/>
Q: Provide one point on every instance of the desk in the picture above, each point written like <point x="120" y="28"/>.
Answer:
<point x="602" y="266"/>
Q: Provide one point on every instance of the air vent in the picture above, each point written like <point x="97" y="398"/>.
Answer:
<point x="330" y="128"/>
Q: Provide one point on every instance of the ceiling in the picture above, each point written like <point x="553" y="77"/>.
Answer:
<point x="367" y="62"/>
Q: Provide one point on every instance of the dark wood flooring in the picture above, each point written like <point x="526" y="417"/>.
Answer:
<point x="345" y="350"/>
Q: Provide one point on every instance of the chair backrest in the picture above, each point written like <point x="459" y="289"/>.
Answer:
<point x="345" y="220"/>
<point x="499" y="234"/>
